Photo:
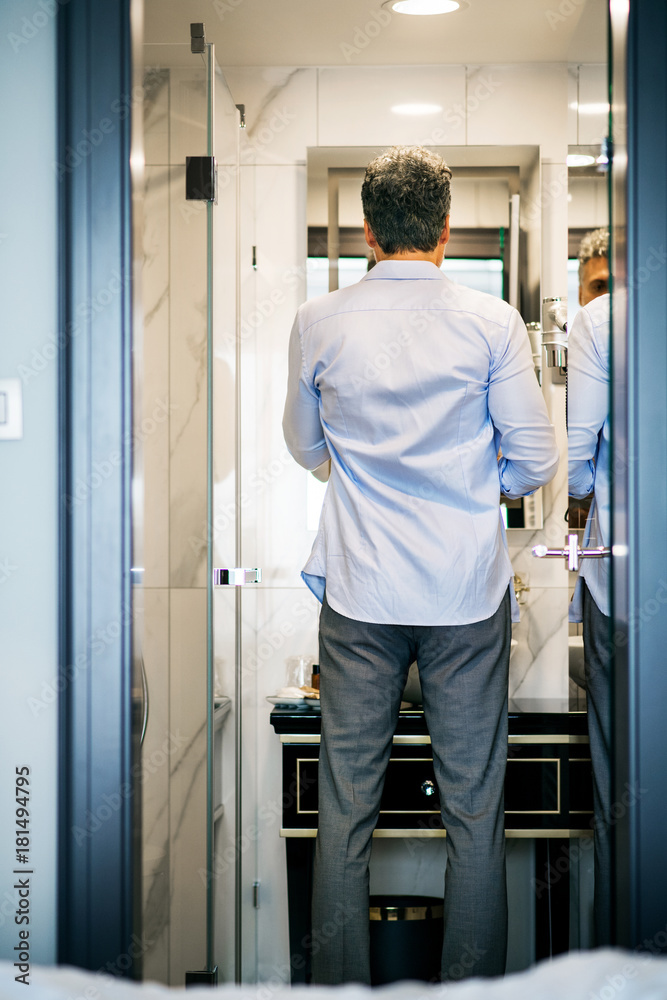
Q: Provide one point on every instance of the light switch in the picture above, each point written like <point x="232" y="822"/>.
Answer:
<point x="11" y="409"/>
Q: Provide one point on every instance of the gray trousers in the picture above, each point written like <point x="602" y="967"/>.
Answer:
<point x="597" y="668"/>
<point x="463" y="671"/>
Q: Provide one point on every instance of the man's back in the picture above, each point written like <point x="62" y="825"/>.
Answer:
<point x="416" y="379"/>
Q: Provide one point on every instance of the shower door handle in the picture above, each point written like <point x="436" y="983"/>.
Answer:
<point x="571" y="552"/>
<point x="236" y="577"/>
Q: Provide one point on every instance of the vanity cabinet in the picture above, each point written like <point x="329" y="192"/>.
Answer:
<point x="548" y="796"/>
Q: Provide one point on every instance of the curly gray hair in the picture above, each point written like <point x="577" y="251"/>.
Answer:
<point x="594" y="244"/>
<point x="406" y="197"/>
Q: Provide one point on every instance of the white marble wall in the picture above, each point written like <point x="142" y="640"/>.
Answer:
<point x="173" y="434"/>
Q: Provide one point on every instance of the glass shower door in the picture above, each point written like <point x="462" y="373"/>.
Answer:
<point x="173" y="428"/>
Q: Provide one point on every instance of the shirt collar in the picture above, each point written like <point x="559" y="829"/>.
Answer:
<point x="392" y="269"/>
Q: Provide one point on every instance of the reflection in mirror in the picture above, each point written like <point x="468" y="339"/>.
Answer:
<point x="588" y="488"/>
<point x="588" y="220"/>
<point x="589" y="454"/>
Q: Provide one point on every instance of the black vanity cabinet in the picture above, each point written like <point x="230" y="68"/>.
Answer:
<point x="548" y="796"/>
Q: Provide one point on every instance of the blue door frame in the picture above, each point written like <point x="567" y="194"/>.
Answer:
<point x="95" y="856"/>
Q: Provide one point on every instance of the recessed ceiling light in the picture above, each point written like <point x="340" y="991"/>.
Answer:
<point x="416" y="109"/>
<point x="426" y="6"/>
<point x="579" y="160"/>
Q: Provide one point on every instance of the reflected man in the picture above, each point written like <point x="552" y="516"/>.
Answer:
<point x="410" y="384"/>
<point x="588" y="472"/>
<point x="593" y="259"/>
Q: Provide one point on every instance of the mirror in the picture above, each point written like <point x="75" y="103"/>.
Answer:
<point x="495" y="246"/>
<point x="588" y="210"/>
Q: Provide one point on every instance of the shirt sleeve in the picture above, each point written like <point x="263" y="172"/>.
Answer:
<point x="523" y="430"/>
<point x="302" y="427"/>
<point x="588" y="406"/>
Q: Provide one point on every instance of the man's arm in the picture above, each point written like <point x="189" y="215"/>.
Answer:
<point x="588" y="394"/>
<point x="519" y="414"/>
<point x="301" y="420"/>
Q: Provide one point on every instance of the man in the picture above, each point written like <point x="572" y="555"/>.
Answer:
<point x="593" y="265"/>
<point x="410" y="385"/>
<point x="588" y="472"/>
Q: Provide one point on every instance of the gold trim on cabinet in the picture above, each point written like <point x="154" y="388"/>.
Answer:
<point x="299" y="810"/>
<point x="553" y="739"/>
<point x="572" y="834"/>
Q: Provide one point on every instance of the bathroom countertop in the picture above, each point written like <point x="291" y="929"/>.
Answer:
<point x="411" y="722"/>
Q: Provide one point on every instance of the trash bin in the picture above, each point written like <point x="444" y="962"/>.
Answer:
<point x="406" y="938"/>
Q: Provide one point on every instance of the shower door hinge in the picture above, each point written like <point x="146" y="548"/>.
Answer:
<point x="255" y="894"/>
<point x="200" y="178"/>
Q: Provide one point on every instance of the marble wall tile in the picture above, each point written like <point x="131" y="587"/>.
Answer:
<point x="187" y="112"/>
<point x="539" y="662"/>
<point x="519" y="104"/>
<point x="593" y="90"/>
<point x="273" y="487"/>
<point x="153" y="428"/>
<point x="187" y="775"/>
<point x="281" y="111"/>
<point x="354" y="105"/>
<point x="572" y="100"/>
<point x="156" y="116"/>
<point x="224" y="614"/>
<point x="554" y="227"/>
<point x="188" y="391"/>
<point x="155" y="786"/>
<point x="277" y="623"/>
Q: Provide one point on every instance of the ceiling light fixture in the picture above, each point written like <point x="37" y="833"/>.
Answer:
<point x="416" y="109"/>
<point x="426" y="6"/>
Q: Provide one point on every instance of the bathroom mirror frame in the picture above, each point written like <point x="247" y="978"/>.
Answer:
<point x="518" y="165"/>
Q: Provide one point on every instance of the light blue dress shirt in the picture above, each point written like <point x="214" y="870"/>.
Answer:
<point x="588" y="441"/>
<point x="411" y="383"/>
